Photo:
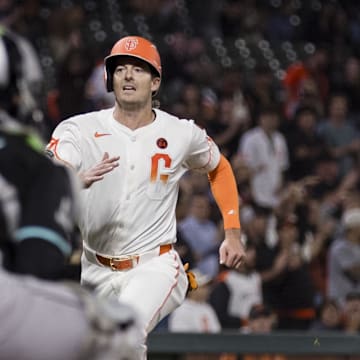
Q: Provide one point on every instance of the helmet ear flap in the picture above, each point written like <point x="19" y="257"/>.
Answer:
<point x="108" y="76"/>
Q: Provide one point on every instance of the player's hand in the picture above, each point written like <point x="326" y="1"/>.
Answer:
<point x="97" y="172"/>
<point x="232" y="252"/>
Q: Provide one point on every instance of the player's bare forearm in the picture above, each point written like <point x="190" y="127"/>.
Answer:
<point x="97" y="172"/>
<point x="232" y="252"/>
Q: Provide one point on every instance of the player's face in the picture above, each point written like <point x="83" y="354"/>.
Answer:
<point x="133" y="82"/>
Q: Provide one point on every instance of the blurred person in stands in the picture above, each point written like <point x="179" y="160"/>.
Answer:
<point x="190" y="184"/>
<point x="344" y="258"/>
<point x="350" y="185"/>
<point x="201" y="234"/>
<point x="329" y="316"/>
<point x="223" y="118"/>
<point x="232" y="18"/>
<point x="341" y="137"/>
<point x="262" y="320"/>
<point x="195" y="314"/>
<point x="314" y="68"/>
<point x="305" y="145"/>
<point x="310" y="97"/>
<point x="315" y="229"/>
<point x="349" y="84"/>
<point x="257" y="222"/>
<point x="209" y="111"/>
<point x="233" y="119"/>
<point x="243" y="176"/>
<point x="265" y="151"/>
<point x="278" y="26"/>
<point x="260" y="91"/>
<point x="235" y="292"/>
<point x="73" y="73"/>
<point x="65" y="30"/>
<point x="351" y="309"/>
<point x="293" y="293"/>
<point x="190" y="97"/>
<point x="326" y="189"/>
<point x="329" y="25"/>
<point x="283" y="263"/>
<point x="184" y="55"/>
<point x="96" y="95"/>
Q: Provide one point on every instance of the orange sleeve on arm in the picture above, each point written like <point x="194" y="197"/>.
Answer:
<point x="224" y="190"/>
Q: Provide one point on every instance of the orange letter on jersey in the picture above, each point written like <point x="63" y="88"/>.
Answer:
<point x="155" y="165"/>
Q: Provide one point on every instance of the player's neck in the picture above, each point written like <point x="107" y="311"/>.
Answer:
<point x="134" y="119"/>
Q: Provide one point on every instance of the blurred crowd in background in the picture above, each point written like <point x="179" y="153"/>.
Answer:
<point x="276" y="84"/>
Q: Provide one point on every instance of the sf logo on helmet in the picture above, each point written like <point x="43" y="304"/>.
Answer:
<point x="131" y="44"/>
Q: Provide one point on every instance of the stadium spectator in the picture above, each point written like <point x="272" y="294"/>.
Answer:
<point x="96" y="96"/>
<point x="232" y="119"/>
<point x="236" y="291"/>
<point x="305" y="145"/>
<point x="195" y="314"/>
<point x="261" y="90"/>
<point x="265" y="151"/>
<point x="351" y="310"/>
<point x="304" y="78"/>
<point x="329" y="317"/>
<point x="348" y="83"/>
<point x="344" y="258"/>
<point x="202" y="235"/>
<point x="339" y="134"/>
<point x="262" y="320"/>
<point x="295" y="303"/>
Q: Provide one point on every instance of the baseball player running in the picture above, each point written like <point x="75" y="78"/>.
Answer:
<point x="130" y="159"/>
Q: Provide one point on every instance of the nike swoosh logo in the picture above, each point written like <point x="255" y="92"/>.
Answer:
<point x="97" y="134"/>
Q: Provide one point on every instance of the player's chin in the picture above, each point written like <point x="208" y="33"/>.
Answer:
<point x="130" y="102"/>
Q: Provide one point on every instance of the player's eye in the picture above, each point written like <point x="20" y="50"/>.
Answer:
<point x="120" y="69"/>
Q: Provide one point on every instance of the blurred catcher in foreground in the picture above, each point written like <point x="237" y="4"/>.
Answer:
<point x="40" y="319"/>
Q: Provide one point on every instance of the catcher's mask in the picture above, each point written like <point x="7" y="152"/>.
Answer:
<point x="134" y="46"/>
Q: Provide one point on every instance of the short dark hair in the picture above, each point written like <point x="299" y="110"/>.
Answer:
<point x="268" y="110"/>
<point x="305" y="109"/>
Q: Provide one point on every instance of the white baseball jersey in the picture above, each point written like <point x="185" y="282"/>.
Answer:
<point x="194" y="316"/>
<point x="132" y="210"/>
<point x="245" y="291"/>
<point x="256" y="148"/>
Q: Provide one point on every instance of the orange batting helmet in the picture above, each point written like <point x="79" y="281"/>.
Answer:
<point x="134" y="46"/>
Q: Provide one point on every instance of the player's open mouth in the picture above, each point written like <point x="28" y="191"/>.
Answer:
<point x="129" y="88"/>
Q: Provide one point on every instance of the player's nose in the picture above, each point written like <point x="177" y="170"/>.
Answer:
<point x="128" y="73"/>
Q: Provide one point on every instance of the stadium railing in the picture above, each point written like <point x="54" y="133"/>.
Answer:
<point x="164" y="345"/>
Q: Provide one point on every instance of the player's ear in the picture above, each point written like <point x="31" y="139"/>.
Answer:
<point x="155" y="84"/>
